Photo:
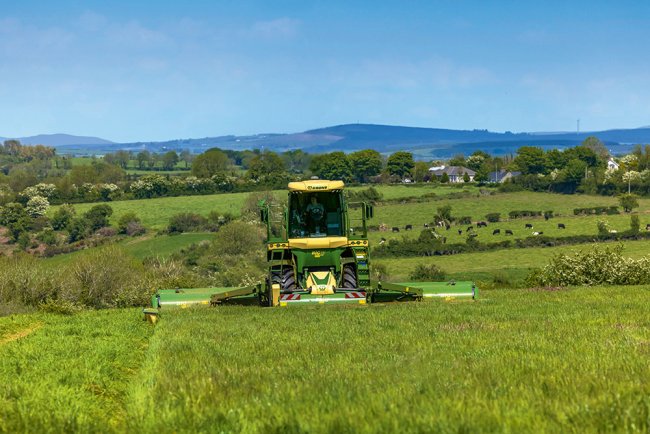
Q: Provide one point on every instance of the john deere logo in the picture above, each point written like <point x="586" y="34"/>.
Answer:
<point x="316" y="187"/>
<point x="316" y="254"/>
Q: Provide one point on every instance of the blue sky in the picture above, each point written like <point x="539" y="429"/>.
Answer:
<point x="156" y="70"/>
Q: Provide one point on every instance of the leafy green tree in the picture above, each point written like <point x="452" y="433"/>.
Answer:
<point x="296" y="161"/>
<point x="169" y="160"/>
<point x="143" y="158"/>
<point x="186" y="157"/>
<point x="444" y="178"/>
<point x="628" y="201"/>
<point x="531" y="159"/>
<point x="333" y="166"/>
<point x="421" y="171"/>
<point x="400" y="163"/>
<point x="265" y="165"/>
<point x="596" y="146"/>
<point x="211" y="162"/>
<point x="466" y="177"/>
<point x="365" y="163"/>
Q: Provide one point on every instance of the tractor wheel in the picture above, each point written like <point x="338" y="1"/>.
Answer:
<point x="349" y="277"/>
<point x="286" y="280"/>
<point x="289" y="280"/>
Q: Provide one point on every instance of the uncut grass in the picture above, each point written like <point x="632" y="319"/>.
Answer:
<point x="160" y="246"/>
<point x="71" y="374"/>
<point x="517" y="361"/>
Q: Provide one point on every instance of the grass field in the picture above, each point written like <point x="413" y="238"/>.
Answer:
<point x="516" y="361"/>
<point x="512" y="264"/>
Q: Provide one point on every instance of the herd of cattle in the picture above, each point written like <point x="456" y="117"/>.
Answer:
<point x="470" y="229"/>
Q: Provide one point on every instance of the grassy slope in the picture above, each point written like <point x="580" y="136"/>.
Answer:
<point x="482" y="266"/>
<point x="516" y="361"/>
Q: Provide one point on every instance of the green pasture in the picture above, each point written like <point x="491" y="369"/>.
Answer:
<point x="155" y="213"/>
<point x="511" y="264"/>
<point x="574" y="360"/>
<point x="142" y="247"/>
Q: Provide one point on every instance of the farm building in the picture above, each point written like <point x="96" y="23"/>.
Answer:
<point x="455" y="173"/>
<point x="501" y="176"/>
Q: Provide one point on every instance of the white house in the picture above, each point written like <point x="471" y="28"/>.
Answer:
<point x="611" y="164"/>
<point x="455" y="173"/>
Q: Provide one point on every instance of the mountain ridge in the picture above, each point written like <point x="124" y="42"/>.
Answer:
<point x="422" y="141"/>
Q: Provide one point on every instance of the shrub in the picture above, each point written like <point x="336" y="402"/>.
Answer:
<point x="106" y="277"/>
<point x="125" y="219"/>
<point x="47" y="236"/>
<point x="186" y="222"/>
<point x="37" y="206"/>
<point x="77" y="229"/>
<point x="107" y="232"/>
<point x="603" y="227"/>
<point x="427" y="272"/>
<point x="134" y="229"/>
<point x="238" y="238"/>
<point x="524" y="213"/>
<point x="597" y="266"/>
<point x="635" y="224"/>
<point x="97" y="216"/>
<point x="493" y="217"/>
<point x="628" y="202"/>
<point x="62" y="217"/>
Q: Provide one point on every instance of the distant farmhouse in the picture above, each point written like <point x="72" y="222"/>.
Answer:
<point x="501" y="176"/>
<point x="612" y="165"/>
<point x="455" y="173"/>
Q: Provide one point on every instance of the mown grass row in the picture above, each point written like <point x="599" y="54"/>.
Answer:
<point x="517" y="361"/>
<point x="573" y="360"/>
<point x="70" y="374"/>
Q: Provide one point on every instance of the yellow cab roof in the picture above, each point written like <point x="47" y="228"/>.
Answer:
<point x="316" y="185"/>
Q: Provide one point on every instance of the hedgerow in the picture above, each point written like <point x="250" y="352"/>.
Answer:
<point x="596" y="266"/>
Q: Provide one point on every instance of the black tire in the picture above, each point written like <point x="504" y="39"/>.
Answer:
<point x="289" y="280"/>
<point x="286" y="280"/>
<point x="349" y="277"/>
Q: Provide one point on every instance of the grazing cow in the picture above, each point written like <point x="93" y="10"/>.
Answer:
<point x="481" y="225"/>
<point x="460" y="232"/>
<point x="509" y="232"/>
<point x="471" y="228"/>
<point x="546" y="217"/>
<point x="447" y="226"/>
<point x="529" y="226"/>
<point x="561" y="226"/>
<point x="395" y="229"/>
<point x="426" y="225"/>
<point x="647" y="227"/>
<point x="441" y="223"/>
<point x="613" y="231"/>
<point x="538" y="233"/>
<point x="408" y="227"/>
<point x="496" y="231"/>
<point x="383" y="240"/>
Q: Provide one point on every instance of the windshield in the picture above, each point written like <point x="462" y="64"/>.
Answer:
<point x="315" y="214"/>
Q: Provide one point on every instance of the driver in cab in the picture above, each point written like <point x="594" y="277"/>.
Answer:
<point x="315" y="213"/>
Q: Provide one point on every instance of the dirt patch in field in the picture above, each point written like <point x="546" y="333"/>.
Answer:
<point x="21" y="334"/>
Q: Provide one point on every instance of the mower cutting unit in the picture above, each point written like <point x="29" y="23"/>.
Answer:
<point x="317" y="253"/>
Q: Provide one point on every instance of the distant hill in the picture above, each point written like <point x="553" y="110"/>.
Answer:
<point x="61" y="140"/>
<point x="425" y="143"/>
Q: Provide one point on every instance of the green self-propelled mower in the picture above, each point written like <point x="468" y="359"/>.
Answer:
<point x="317" y="252"/>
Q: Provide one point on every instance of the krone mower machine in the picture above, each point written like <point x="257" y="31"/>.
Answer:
<point x="317" y="252"/>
